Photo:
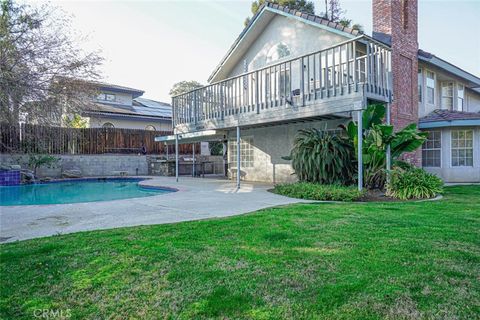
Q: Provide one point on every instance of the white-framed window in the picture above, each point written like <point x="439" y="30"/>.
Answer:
<point x="420" y="85"/>
<point x="432" y="149"/>
<point x="246" y="153"/>
<point x="106" y="97"/>
<point x="462" y="148"/>
<point x="447" y="95"/>
<point x="108" y="125"/>
<point x="430" y="84"/>
<point x="460" y="97"/>
<point x="150" y="128"/>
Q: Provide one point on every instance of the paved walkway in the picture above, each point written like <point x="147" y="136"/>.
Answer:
<point x="196" y="199"/>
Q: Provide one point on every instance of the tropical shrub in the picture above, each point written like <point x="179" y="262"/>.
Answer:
<point x="376" y="137"/>
<point x="321" y="157"/>
<point x="413" y="183"/>
<point x="314" y="191"/>
<point x="36" y="161"/>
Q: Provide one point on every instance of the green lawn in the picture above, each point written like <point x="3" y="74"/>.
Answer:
<point x="324" y="261"/>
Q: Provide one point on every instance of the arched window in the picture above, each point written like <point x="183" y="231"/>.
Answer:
<point x="150" y="128"/>
<point x="108" y="125"/>
<point x="278" y="51"/>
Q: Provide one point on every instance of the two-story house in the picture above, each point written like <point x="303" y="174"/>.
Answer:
<point x="289" y="70"/>
<point x="122" y="107"/>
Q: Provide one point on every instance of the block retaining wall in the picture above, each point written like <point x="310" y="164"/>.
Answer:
<point x="89" y="165"/>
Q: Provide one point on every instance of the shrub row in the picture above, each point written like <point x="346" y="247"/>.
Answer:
<point x="313" y="191"/>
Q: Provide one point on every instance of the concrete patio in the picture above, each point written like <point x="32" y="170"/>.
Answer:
<point x="196" y="199"/>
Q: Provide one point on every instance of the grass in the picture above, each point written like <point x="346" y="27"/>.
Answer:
<point x="315" y="191"/>
<point x="415" y="260"/>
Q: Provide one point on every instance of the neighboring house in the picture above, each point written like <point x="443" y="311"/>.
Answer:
<point x="123" y="107"/>
<point x="290" y="70"/>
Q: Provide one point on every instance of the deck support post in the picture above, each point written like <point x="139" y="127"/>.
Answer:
<point x="176" y="157"/>
<point x="360" y="151"/>
<point x="224" y="156"/>
<point x="388" y="151"/>
<point x="193" y="162"/>
<point x="238" y="157"/>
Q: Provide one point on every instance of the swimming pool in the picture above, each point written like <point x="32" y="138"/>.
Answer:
<point x="74" y="191"/>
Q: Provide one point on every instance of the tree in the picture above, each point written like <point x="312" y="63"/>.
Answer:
<point x="75" y="121"/>
<point x="184" y="87"/>
<point x="301" y="5"/>
<point x="333" y="11"/>
<point x="36" y="161"/>
<point x="348" y="24"/>
<point x="43" y="73"/>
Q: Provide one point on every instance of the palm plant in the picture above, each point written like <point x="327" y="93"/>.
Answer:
<point x="376" y="137"/>
<point x="322" y="157"/>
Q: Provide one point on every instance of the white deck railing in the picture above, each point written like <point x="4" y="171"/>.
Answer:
<point x="358" y="65"/>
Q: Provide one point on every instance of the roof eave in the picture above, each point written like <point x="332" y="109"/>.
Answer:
<point x="452" y="69"/>
<point x="124" y="115"/>
<point x="135" y="93"/>
<point x="449" y="123"/>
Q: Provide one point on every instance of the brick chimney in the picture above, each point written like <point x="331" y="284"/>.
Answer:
<point x="395" y="23"/>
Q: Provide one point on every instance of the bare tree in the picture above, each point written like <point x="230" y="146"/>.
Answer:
<point x="43" y="72"/>
<point x="335" y="12"/>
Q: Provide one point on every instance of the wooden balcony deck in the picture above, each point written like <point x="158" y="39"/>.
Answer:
<point x="335" y="80"/>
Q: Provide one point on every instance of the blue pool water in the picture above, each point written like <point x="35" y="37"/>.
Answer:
<point x="87" y="190"/>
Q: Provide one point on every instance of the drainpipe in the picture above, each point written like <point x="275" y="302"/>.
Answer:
<point x="389" y="154"/>
<point x="360" y="153"/>
<point x="238" y="157"/>
<point x="176" y="157"/>
<point x="389" y="118"/>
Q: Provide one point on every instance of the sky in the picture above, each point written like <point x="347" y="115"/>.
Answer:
<point x="150" y="45"/>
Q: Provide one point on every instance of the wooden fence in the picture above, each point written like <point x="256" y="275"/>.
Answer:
<point x="28" y="138"/>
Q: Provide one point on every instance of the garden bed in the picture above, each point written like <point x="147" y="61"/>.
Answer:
<point x="319" y="192"/>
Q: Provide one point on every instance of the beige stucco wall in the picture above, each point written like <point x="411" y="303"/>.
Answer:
<point x="457" y="174"/>
<point x="300" y="37"/>
<point x="471" y="101"/>
<point x="95" y="122"/>
<point x="270" y="144"/>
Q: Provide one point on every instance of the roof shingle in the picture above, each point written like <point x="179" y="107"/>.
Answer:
<point x="447" y="115"/>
